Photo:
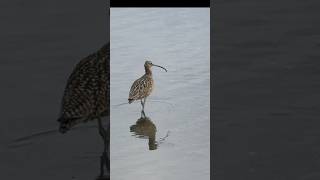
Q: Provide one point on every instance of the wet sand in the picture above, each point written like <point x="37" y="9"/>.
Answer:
<point x="41" y="41"/>
<point x="266" y="90"/>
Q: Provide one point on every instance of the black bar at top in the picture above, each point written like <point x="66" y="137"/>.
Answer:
<point x="159" y="3"/>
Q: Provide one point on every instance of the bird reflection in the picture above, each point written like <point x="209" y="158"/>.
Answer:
<point x="145" y="128"/>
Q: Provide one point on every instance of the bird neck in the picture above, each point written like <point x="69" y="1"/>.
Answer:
<point x="148" y="70"/>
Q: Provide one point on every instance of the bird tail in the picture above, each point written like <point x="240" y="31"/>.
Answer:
<point x="130" y="100"/>
<point x="64" y="127"/>
<point x="66" y="124"/>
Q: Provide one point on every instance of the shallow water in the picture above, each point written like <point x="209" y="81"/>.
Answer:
<point x="41" y="42"/>
<point x="266" y="90"/>
<point x="178" y="108"/>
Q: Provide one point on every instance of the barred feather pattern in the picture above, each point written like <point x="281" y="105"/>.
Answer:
<point x="86" y="96"/>
<point x="141" y="88"/>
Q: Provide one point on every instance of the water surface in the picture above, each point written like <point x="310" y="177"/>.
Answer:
<point x="41" y="41"/>
<point x="173" y="141"/>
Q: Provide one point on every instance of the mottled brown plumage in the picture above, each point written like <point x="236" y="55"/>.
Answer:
<point x="86" y="96"/>
<point x="142" y="87"/>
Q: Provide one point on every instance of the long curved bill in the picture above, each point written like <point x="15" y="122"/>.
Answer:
<point x="160" y="67"/>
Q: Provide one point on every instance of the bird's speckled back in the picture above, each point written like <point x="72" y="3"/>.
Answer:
<point x="86" y="95"/>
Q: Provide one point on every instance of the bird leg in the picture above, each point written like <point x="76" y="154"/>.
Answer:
<point x="104" y="158"/>
<point x="108" y="144"/>
<point x="142" y="104"/>
<point x="143" y="114"/>
<point x="103" y="134"/>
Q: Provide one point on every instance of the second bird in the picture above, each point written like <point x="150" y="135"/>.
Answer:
<point x="142" y="87"/>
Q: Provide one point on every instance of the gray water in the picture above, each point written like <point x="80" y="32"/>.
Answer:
<point x="41" y="41"/>
<point x="178" y="108"/>
<point x="266" y="90"/>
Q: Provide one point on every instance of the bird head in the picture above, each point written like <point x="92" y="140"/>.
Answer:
<point x="148" y="64"/>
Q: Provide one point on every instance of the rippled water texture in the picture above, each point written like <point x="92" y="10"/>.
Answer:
<point x="172" y="142"/>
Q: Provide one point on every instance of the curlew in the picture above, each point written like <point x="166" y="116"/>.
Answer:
<point x="86" y="96"/>
<point x="142" y="87"/>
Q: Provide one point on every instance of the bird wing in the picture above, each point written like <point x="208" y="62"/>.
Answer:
<point x="85" y="95"/>
<point x="87" y="87"/>
<point x="78" y="93"/>
<point x="137" y="88"/>
<point x="140" y="88"/>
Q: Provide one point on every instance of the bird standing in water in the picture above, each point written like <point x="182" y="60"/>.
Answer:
<point x="86" y="96"/>
<point x="142" y="87"/>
